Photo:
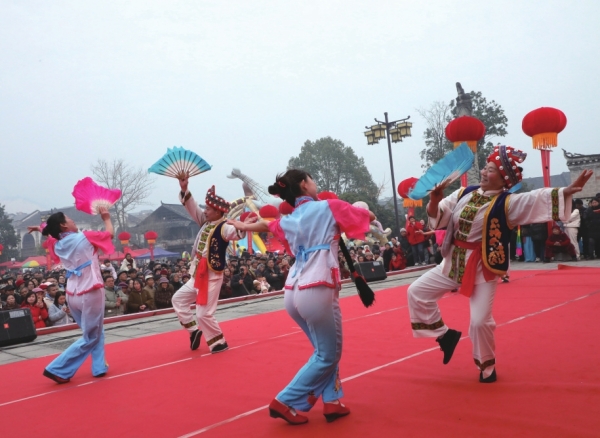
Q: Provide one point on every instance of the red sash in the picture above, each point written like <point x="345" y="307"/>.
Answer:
<point x="468" y="280"/>
<point x="201" y="282"/>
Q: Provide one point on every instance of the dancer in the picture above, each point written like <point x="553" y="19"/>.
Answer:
<point x="312" y="233"/>
<point x="478" y="221"/>
<point x="85" y="289"/>
<point x="207" y="269"/>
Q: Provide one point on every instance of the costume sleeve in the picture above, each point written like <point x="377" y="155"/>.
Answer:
<point x="51" y="243"/>
<point x="275" y="228"/>
<point x="353" y="221"/>
<point x="229" y="233"/>
<point x="445" y="208"/>
<point x="542" y="205"/>
<point x="193" y="209"/>
<point x="102" y="240"/>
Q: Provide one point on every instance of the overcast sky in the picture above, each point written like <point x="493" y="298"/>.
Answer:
<point x="245" y="83"/>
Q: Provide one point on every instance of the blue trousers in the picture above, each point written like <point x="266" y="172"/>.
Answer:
<point x="88" y="312"/>
<point x="317" y="312"/>
<point x="417" y="251"/>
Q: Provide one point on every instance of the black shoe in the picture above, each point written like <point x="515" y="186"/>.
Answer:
<point x="195" y="339"/>
<point x="219" y="348"/>
<point x="448" y="343"/>
<point x="54" y="377"/>
<point x="490" y="379"/>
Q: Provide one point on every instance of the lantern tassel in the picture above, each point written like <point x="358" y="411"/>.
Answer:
<point x="471" y="143"/>
<point x="545" y="140"/>
<point x="412" y="203"/>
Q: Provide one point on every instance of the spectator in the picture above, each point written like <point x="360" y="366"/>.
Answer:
<point x="58" y="312"/>
<point x="115" y="299"/>
<point x="62" y="283"/>
<point x="404" y="244"/>
<point x="128" y="263"/>
<point x="416" y="240"/>
<point x="139" y="301"/>
<point x="558" y="242"/>
<point x="38" y="310"/>
<point x="107" y="267"/>
<point x="592" y="224"/>
<point x="226" y="290"/>
<point x="572" y="228"/>
<point x="150" y="287"/>
<point x="164" y="294"/>
<point x="539" y="234"/>
<point x="387" y="256"/>
<point x="273" y="275"/>
<point x="284" y="268"/>
<point x="241" y="283"/>
<point x="256" y="287"/>
<point x="49" y="297"/>
<point x="397" y="263"/>
<point x="11" y="303"/>
<point x="176" y="281"/>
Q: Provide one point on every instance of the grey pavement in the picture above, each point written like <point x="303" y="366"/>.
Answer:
<point x="54" y="343"/>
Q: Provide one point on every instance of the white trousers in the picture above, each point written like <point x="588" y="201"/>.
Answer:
<point x="572" y="233"/>
<point x="426" y="318"/>
<point x="186" y="296"/>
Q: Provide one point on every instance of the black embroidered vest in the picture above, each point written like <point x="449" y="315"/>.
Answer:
<point x="217" y="246"/>
<point x="496" y="233"/>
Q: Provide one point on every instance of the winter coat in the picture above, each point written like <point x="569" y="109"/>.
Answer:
<point x="110" y="302"/>
<point x="415" y="238"/>
<point x="58" y="316"/>
<point x="539" y="231"/>
<point x="592" y="222"/>
<point x="38" y="315"/>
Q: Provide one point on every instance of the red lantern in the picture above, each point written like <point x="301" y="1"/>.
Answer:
<point x="543" y="126"/>
<point x="124" y="237"/>
<point x="403" y="188"/>
<point x="465" y="129"/>
<point x="151" y="237"/>
<point x="1" y="248"/>
<point x="247" y="214"/>
<point x="285" y="208"/>
<point x="269" y="212"/>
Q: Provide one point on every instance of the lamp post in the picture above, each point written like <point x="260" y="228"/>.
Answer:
<point x="151" y="237"/>
<point x="395" y="131"/>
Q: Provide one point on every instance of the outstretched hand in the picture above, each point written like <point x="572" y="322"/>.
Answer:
<point x="238" y="225"/>
<point x="104" y="213"/>
<point x="577" y="185"/>
<point x="33" y="228"/>
<point x="183" y="183"/>
<point x="437" y="194"/>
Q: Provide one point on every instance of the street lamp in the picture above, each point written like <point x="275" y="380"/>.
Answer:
<point x="394" y="131"/>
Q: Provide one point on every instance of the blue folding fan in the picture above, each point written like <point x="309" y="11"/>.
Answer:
<point x="180" y="163"/>
<point x="451" y="167"/>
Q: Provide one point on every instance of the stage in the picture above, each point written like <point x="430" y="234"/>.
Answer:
<point x="395" y="385"/>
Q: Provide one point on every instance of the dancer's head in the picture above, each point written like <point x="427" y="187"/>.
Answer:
<point x="502" y="169"/>
<point x="216" y="206"/>
<point x="58" y="223"/>
<point x="293" y="184"/>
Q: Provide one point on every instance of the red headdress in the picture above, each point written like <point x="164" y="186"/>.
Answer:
<point x="507" y="159"/>
<point x="215" y="201"/>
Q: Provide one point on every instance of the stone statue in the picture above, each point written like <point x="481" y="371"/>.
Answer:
<point x="464" y="106"/>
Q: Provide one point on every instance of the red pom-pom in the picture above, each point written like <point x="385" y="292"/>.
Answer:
<point x="285" y="208"/>
<point x="327" y="195"/>
<point x="269" y="212"/>
<point x="246" y="214"/>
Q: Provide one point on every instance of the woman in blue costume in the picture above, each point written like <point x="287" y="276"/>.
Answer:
<point x="311" y="232"/>
<point x="77" y="251"/>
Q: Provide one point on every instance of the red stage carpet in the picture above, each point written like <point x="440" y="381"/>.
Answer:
<point x="547" y="355"/>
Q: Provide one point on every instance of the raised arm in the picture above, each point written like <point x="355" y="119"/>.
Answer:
<point x="108" y="226"/>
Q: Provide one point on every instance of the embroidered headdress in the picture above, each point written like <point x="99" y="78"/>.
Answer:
<point x="507" y="159"/>
<point x="216" y="201"/>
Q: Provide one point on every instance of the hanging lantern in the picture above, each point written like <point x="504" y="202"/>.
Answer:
<point x="406" y="186"/>
<point x="124" y="237"/>
<point x="1" y="248"/>
<point x="151" y="237"/>
<point x="465" y="129"/>
<point x="269" y="212"/>
<point x="285" y="208"/>
<point x="543" y="125"/>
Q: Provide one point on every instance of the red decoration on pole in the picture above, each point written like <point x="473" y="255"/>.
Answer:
<point x="124" y="238"/>
<point x="403" y="188"/>
<point x="465" y="129"/>
<point x="543" y="125"/>
<point x="269" y="212"/>
<point x="1" y="248"/>
<point x="151" y="237"/>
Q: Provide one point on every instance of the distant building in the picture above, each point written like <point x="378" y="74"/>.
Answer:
<point x="578" y="162"/>
<point x="560" y="180"/>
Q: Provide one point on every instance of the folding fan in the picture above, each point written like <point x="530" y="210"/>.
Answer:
<point x="89" y="196"/>
<point x="180" y="163"/>
<point x="449" y="168"/>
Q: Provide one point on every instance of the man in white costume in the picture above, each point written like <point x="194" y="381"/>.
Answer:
<point x="476" y="250"/>
<point x="206" y="269"/>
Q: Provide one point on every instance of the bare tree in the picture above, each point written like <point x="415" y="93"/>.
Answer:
<point x="436" y="118"/>
<point x="135" y="185"/>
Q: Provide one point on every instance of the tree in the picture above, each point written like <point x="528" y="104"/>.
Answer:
<point x="135" y="185"/>
<point x="495" y="121"/>
<point x="336" y="168"/>
<point x="437" y="117"/>
<point x="8" y="236"/>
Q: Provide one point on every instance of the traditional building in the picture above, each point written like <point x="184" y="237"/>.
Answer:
<point x="175" y="228"/>
<point x="578" y="162"/>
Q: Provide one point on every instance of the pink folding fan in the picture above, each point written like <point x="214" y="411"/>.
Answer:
<point x="89" y="196"/>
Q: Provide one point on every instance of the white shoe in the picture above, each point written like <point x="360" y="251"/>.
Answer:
<point x="537" y="259"/>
